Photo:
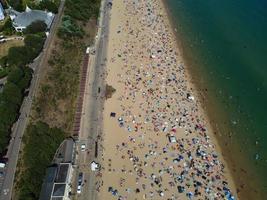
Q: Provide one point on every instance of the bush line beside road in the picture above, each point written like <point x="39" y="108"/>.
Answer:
<point x="55" y="101"/>
<point x="10" y="101"/>
<point x="18" y="79"/>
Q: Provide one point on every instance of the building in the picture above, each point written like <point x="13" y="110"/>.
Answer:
<point x="21" y="20"/>
<point x="57" y="182"/>
<point x="2" y="12"/>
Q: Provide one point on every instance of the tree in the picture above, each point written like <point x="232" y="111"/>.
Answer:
<point x="12" y="94"/>
<point x="17" y="5"/>
<point x="36" y="27"/>
<point x="15" y="75"/>
<point x="50" y="5"/>
<point x="17" y="56"/>
<point x="7" y="28"/>
<point x="41" y="143"/>
<point x="25" y="81"/>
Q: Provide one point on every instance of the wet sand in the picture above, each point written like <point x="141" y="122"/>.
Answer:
<point x="158" y="143"/>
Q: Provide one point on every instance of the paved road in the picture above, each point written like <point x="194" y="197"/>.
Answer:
<point x="91" y="124"/>
<point x="20" y="125"/>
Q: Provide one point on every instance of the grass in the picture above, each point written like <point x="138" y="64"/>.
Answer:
<point x="56" y="99"/>
<point x="4" y="47"/>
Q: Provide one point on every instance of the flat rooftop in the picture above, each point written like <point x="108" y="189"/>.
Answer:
<point x="59" y="190"/>
<point x="62" y="173"/>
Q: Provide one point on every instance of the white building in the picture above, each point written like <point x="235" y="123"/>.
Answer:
<point x="2" y="13"/>
<point x="21" y="20"/>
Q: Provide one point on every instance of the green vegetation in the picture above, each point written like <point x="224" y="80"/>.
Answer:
<point x="54" y="105"/>
<point x="10" y="100"/>
<point x="77" y="11"/>
<point x="6" y="28"/>
<point x="5" y="46"/>
<point x="58" y="93"/>
<point x="20" y="5"/>
<point x="36" y="27"/>
<point x="82" y="10"/>
<point x="3" y="72"/>
<point x="36" y="157"/>
<point x="69" y="28"/>
<point x="17" y="5"/>
<point x="19" y="76"/>
<point x="18" y="56"/>
<point x="52" y="6"/>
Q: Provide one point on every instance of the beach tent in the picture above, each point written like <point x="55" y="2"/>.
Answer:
<point x="94" y="166"/>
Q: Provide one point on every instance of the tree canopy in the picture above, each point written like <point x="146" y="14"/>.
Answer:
<point x="36" y="27"/>
<point x="19" y="56"/>
<point x="10" y="100"/>
<point x="37" y="156"/>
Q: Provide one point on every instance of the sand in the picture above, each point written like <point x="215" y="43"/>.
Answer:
<point x="158" y="144"/>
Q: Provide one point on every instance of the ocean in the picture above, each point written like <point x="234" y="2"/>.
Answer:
<point x="225" y="46"/>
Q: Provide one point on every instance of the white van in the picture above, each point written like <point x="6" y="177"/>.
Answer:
<point x="2" y="165"/>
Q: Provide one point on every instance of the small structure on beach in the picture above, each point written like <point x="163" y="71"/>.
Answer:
<point x="172" y="139"/>
<point x="95" y="166"/>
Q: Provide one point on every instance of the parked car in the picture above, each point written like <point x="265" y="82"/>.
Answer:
<point x="83" y="147"/>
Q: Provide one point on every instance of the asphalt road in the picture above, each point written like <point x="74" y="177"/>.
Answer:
<point x="91" y="124"/>
<point x="20" y="125"/>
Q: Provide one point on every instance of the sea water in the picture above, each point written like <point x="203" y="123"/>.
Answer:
<point x="225" y="45"/>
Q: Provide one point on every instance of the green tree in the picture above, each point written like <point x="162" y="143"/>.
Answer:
<point x="20" y="56"/>
<point x="7" y="28"/>
<point x="52" y="6"/>
<point x="37" y="156"/>
<point x="12" y="94"/>
<point x="15" y="75"/>
<point x="17" y="56"/>
<point x="36" y="27"/>
<point x="25" y="81"/>
<point x="17" y="5"/>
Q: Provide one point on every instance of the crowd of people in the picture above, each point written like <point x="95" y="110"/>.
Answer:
<point x="166" y="151"/>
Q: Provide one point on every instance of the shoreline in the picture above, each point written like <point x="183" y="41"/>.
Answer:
<point x="111" y="104"/>
<point x="245" y="187"/>
<point x="201" y="95"/>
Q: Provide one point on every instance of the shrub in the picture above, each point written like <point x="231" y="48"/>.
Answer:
<point x="109" y="91"/>
<point x="69" y="28"/>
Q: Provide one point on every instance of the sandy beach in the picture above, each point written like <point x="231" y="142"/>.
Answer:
<point x="157" y="140"/>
